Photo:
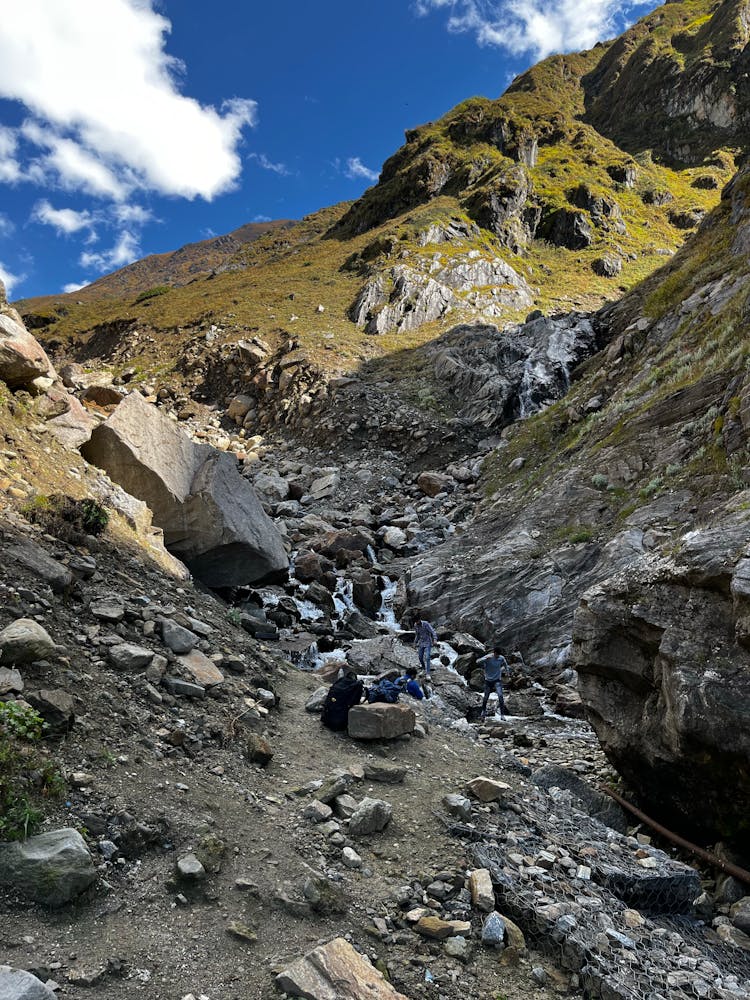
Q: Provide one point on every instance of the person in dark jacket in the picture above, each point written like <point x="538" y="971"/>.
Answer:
<point x="424" y="637"/>
<point x="345" y="692"/>
<point x="495" y="668"/>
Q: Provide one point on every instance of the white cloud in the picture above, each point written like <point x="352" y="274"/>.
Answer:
<point x="9" y="279"/>
<point x="537" y="26"/>
<point x="63" y="220"/>
<point x="355" y="168"/>
<point x="104" y="96"/>
<point x="136" y="214"/>
<point x="262" y="160"/>
<point x="10" y="168"/>
<point x="74" y="286"/>
<point x="7" y="227"/>
<point x="261" y="218"/>
<point x="125" y="251"/>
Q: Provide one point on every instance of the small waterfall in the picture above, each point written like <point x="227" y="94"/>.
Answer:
<point x="387" y="615"/>
<point x="342" y="597"/>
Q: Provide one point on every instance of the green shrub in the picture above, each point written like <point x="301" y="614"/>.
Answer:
<point x="27" y="777"/>
<point x="599" y="481"/>
<point x="65" y="517"/>
<point x="151" y="293"/>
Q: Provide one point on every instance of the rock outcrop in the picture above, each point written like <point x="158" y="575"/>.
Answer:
<point x="663" y="659"/>
<point x="406" y="297"/>
<point x="504" y="375"/>
<point x="210" y="515"/>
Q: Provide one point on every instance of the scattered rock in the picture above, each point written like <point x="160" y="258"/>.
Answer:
<point x="335" y="971"/>
<point x="24" y="641"/>
<point x="51" y="868"/>
<point x="372" y="816"/>
<point x="487" y="790"/>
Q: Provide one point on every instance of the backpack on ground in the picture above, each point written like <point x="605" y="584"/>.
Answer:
<point x="384" y="690"/>
<point x="342" y="695"/>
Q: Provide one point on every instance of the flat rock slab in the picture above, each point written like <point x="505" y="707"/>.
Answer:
<point x="15" y="984"/>
<point x="10" y="681"/>
<point x="388" y="774"/>
<point x="24" y="641"/>
<point x="381" y="721"/>
<point x="202" y="670"/>
<point x="52" y="868"/>
<point x="487" y="789"/>
<point x="438" y="930"/>
<point x="335" y="971"/>
<point x="35" y="559"/>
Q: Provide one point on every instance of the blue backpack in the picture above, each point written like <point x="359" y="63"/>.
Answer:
<point x="384" y="690"/>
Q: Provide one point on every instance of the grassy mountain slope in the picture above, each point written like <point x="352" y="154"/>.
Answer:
<point x="548" y="179"/>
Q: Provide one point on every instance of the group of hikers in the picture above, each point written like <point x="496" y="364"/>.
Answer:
<point x="348" y="690"/>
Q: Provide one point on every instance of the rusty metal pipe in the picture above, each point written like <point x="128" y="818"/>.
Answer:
<point x="726" y="866"/>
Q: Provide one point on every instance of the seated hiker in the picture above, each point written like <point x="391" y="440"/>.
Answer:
<point x="424" y="637"/>
<point x="345" y="692"/>
<point x="408" y="682"/>
<point x="495" y="667"/>
<point x="384" y="690"/>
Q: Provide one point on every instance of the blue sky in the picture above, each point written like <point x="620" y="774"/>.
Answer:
<point x="130" y="127"/>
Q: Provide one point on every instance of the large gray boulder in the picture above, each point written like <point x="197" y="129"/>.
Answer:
<point x="15" y="984"/>
<point x="381" y="721"/>
<point x="211" y="518"/>
<point x="22" y="358"/>
<point x="664" y="674"/>
<point x="24" y="641"/>
<point x="51" y="869"/>
<point x="380" y="655"/>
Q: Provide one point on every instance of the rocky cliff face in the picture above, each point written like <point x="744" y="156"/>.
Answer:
<point x="628" y="496"/>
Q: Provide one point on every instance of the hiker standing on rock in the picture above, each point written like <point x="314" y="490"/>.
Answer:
<point x="495" y="668"/>
<point x="424" y="636"/>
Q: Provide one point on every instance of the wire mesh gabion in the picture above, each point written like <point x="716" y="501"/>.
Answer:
<point x="613" y="911"/>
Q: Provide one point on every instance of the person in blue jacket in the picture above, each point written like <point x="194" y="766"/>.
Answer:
<point x="409" y="683"/>
<point x="495" y="668"/>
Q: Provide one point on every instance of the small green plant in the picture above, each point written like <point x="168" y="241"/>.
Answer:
<point x="233" y="617"/>
<point x="17" y="719"/>
<point x="599" y="481"/>
<point x="27" y="777"/>
<point x="65" y="517"/>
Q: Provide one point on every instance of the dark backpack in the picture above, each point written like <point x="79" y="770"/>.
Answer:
<point x="384" y="690"/>
<point x="342" y="695"/>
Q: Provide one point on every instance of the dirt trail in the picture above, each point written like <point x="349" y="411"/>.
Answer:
<point x="172" y="949"/>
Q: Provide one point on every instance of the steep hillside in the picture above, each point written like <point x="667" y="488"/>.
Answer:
<point x="153" y="275"/>
<point x="544" y="198"/>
